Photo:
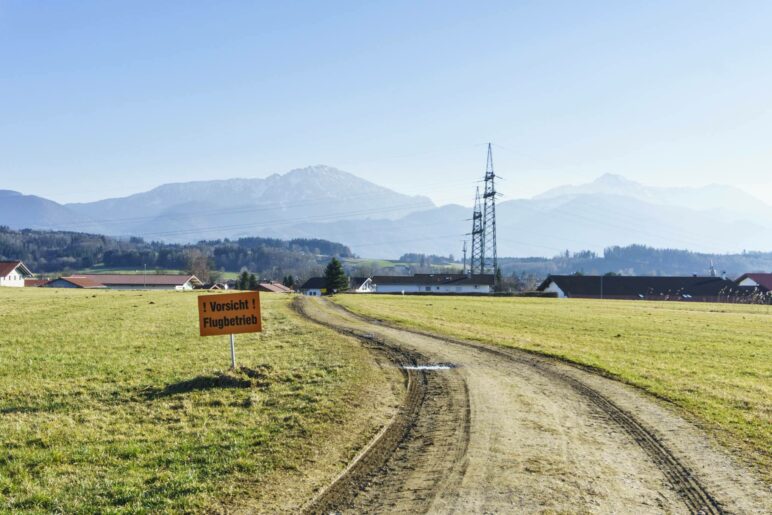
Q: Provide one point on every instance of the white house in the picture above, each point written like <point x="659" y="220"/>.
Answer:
<point x="12" y="273"/>
<point x="458" y="284"/>
<point x="314" y="287"/>
<point x="759" y="281"/>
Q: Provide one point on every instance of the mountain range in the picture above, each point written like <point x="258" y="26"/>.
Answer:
<point x="323" y="202"/>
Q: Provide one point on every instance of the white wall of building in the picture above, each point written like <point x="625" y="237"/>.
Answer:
<point x="366" y="287"/>
<point x="437" y="288"/>
<point x="554" y="288"/>
<point x="14" y="279"/>
<point x="748" y="282"/>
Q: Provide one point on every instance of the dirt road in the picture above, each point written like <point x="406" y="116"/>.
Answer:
<point x="488" y="430"/>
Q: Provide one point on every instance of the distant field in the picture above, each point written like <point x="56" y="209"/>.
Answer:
<point x="712" y="360"/>
<point x="110" y="401"/>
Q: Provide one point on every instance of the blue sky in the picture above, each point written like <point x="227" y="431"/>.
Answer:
<point x="103" y="99"/>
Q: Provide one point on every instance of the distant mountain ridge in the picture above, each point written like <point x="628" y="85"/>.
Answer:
<point x="232" y="208"/>
<point x="32" y="212"/>
<point x="610" y="211"/>
<point x="713" y="197"/>
<point x="323" y="202"/>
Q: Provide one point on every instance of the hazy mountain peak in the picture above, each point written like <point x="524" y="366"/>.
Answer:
<point x="614" y="180"/>
<point x="9" y="193"/>
<point x="318" y="170"/>
<point x="186" y="211"/>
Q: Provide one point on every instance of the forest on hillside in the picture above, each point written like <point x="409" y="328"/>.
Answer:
<point x="64" y="252"/>
<point x="639" y="260"/>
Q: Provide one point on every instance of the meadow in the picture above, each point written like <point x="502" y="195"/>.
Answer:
<point x="110" y="401"/>
<point x="712" y="361"/>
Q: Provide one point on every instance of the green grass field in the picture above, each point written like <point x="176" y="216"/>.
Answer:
<point x="712" y="360"/>
<point x="111" y="402"/>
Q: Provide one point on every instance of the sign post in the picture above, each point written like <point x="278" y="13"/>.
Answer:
<point x="233" y="351"/>
<point x="231" y="314"/>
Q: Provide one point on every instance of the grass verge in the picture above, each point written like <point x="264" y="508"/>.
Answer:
<point x="111" y="402"/>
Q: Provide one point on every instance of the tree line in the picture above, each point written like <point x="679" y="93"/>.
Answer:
<point x="270" y="258"/>
<point x="639" y="260"/>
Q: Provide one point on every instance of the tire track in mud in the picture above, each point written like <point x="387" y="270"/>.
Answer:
<point x="683" y="481"/>
<point x="406" y="464"/>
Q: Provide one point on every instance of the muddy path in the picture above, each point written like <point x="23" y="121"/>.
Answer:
<point x="505" y="431"/>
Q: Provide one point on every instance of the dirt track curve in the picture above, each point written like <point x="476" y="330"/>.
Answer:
<point x="501" y="431"/>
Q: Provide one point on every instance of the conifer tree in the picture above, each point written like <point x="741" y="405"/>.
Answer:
<point x="335" y="277"/>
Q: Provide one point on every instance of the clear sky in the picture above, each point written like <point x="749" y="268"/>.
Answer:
<point x="103" y="99"/>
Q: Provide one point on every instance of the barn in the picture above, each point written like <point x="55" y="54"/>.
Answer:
<point x="12" y="273"/>
<point x="146" y="281"/>
<point x="686" y="288"/>
<point x="74" y="282"/>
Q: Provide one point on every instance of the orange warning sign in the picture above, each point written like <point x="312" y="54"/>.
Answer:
<point x="231" y="313"/>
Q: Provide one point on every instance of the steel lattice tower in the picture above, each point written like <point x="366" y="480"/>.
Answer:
<point x="478" y="237"/>
<point x="489" y="261"/>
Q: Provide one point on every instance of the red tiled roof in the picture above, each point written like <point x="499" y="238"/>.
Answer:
<point x="81" y="282"/>
<point x="274" y="287"/>
<point x="763" y="280"/>
<point x="32" y="283"/>
<point x="6" y="267"/>
<point x="143" y="279"/>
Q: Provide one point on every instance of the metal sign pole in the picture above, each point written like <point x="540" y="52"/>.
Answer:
<point x="233" y="351"/>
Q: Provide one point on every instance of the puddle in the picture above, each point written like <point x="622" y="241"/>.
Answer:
<point x="436" y="366"/>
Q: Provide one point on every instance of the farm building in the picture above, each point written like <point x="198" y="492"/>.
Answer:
<point x="759" y="281"/>
<point x="314" y="287"/>
<point x="146" y="281"/>
<point x="74" y="282"/>
<point x="35" y="283"/>
<point x="12" y="273"/>
<point x="434" y="283"/>
<point x="273" y="287"/>
<point x="361" y="285"/>
<point x="689" y="288"/>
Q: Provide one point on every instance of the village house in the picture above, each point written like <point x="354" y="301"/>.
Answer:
<point x="686" y="288"/>
<point x="458" y="284"/>
<point x="13" y="273"/>
<point x="314" y="287"/>
<point x="758" y="281"/>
